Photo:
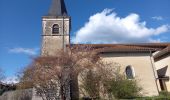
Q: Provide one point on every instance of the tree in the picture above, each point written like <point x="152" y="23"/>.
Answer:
<point x="1" y="75"/>
<point x="1" y="78"/>
<point x="96" y="82"/>
<point x="80" y="69"/>
<point x="55" y="77"/>
<point x="107" y="81"/>
<point x="25" y="78"/>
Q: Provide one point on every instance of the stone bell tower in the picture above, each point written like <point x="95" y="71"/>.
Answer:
<point x="56" y="28"/>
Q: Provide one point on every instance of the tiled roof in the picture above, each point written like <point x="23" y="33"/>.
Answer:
<point x="164" y="48"/>
<point x="152" y="45"/>
<point x="163" y="52"/>
<point x="124" y="48"/>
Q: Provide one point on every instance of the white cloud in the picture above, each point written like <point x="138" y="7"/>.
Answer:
<point x="155" y="40"/>
<point x="107" y="27"/>
<point x="11" y="80"/>
<point x="29" y="51"/>
<point x="157" y="18"/>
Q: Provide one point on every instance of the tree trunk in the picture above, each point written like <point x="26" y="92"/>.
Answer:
<point x="74" y="90"/>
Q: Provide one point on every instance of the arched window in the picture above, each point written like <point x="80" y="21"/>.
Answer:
<point x="55" y="29"/>
<point x="129" y="72"/>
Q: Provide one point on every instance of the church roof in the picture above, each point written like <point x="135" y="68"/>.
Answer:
<point x="150" y="45"/>
<point x="162" y="52"/>
<point x="164" y="48"/>
<point x="57" y="8"/>
<point x="127" y="48"/>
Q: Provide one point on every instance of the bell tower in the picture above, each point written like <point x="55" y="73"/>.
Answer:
<point x="56" y="28"/>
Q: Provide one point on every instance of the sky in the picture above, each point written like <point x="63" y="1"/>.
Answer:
<point x="93" y="21"/>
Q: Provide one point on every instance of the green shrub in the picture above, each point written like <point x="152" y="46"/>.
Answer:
<point x="164" y="93"/>
<point x="91" y="84"/>
<point x="125" y="89"/>
<point x="163" y="96"/>
<point x="1" y="91"/>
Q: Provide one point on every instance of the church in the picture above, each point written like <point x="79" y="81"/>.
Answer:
<point x="149" y="62"/>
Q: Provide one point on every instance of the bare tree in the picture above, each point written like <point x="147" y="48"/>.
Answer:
<point x="55" y="77"/>
<point x="107" y="81"/>
<point x="79" y="70"/>
<point x="1" y="75"/>
<point x="25" y="78"/>
<point x="95" y="82"/>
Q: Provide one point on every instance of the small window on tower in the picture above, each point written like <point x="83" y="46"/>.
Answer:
<point x="55" y="29"/>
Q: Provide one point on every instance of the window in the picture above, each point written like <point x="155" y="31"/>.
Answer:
<point x="129" y="72"/>
<point x="55" y="29"/>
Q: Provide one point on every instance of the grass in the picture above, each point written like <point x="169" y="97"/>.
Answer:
<point x="163" y="96"/>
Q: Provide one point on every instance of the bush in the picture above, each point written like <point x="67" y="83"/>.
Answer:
<point x="125" y="89"/>
<point x="24" y="85"/>
<point x="164" y="93"/>
<point x="1" y="91"/>
<point x="105" y="83"/>
<point x="91" y="84"/>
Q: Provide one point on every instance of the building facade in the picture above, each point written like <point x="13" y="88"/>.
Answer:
<point x="148" y="63"/>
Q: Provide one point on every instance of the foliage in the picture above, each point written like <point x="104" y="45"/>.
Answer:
<point x="26" y="81"/>
<point x="91" y="84"/>
<point x="7" y="87"/>
<point x="1" y="75"/>
<point x="163" y="95"/>
<point x="57" y="77"/>
<point x="54" y="76"/>
<point x="1" y="91"/>
<point x="124" y="88"/>
<point x="94" y="82"/>
<point x="108" y="81"/>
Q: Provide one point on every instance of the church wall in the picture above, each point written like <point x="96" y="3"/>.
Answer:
<point x="141" y="62"/>
<point x="163" y="63"/>
<point x="47" y="24"/>
<point x="51" y="45"/>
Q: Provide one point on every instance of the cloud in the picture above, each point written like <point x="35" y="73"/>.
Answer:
<point x="157" y="18"/>
<point x="28" y="51"/>
<point x="107" y="27"/>
<point x="156" y="40"/>
<point x="11" y="80"/>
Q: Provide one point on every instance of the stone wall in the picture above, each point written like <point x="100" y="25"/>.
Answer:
<point x="29" y="94"/>
<point x="17" y="95"/>
<point x="52" y="43"/>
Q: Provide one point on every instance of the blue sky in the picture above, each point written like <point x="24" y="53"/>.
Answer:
<point x="20" y="25"/>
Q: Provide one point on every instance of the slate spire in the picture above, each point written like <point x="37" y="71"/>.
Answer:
<point x="57" y="8"/>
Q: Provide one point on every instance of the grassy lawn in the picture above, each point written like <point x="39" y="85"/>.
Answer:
<point x="163" y="96"/>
